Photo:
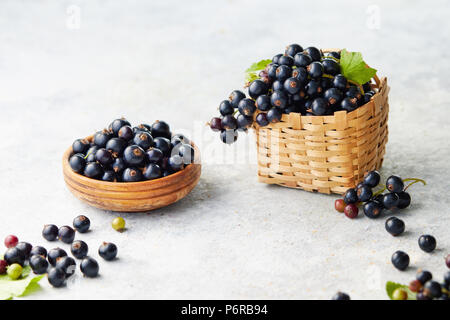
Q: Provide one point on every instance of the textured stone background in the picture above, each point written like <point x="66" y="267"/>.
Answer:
<point x="176" y="60"/>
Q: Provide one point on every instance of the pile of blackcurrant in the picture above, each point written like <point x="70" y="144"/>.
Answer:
<point x="373" y="203"/>
<point x="123" y="153"/>
<point x="55" y="263"/>
<point x="426" y="288"/>
<point x="304" y="81"/>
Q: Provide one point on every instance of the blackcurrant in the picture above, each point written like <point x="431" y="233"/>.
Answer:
<point x="246" y="107"/>
<point x="350" y="196"/>
<point x="432" y="289"/>
<point x="228" y="136"/>
<point x="118" y="165"/>
<point x="351" y="211"/>
<point x="66" y="234"/>
<point x="314" y="53"/>
<point x="154" y="155"/>
<point x="14" y="255"/>
<point x="424" y="276"/>
<point x="333" y="96"/>
<point x="394" y="184"/>
<point x="331" y="67"/>
<point x="109" y="176"/>
<point x="292" y="85"/>
<point x="277" y="86"/>
<point x="301" y="75"/>
<point x="261" y="119"/>
<point x="340" y="82"/>
<point x="427" y="243"/>
<point x="313" y="88"/>
<point x="77" y="162"/>
<point x="90" y="154"/>
<point x="400" y="260"/>
<point x="372" y="209"/>
<point x="326" y="83"/>
<point x="225" y="108"/>
<point x="394" y="226"/>
<point x="161" y="129"/>
<point x="404" y="200"/>
<point x="127" y="133"/>
<point x="56" y="277"/>
<point x="364" y="193"/>
<point x="66" y="264"/>
<point x="53" y="254"/>
<point x="132" y="175"/>
<point x="390" y="200"/>
<point x="117" y="146"/>
<point x="143" y="128"/>
<point x="315" y="69"/>
<point x="341" y="296"/>
<point x="38" y="264"/>
<point x="38" y="250"/>
<point x="274" y="115"/>
<point x="272" y="71"/>
<point x="293" y="49"/>
<point x="152" y="171"/>
<point x="102" y="137"/>
<point x="276" y="58"/>
<point x="134" y="155"/>
<point x="89" y="267"/>
<point x="26" y="248"/>
<point x="80" y="146"/>
<point x="302" y="60"/>
<point x="372" y="179"/>
<point x="243" y="122"/>
<point x="81" y="224"/>
<point x="354" y="92"/>
<point x="349" y="104"/>
<point x="257" y="88"/>
<point x="319" y="106"/>
<point x="229" y="122"/>
<point x="187" y="153"/>
<point x="286" y="60"/>
<point x="283" y="72"/>
<point x="143" y="140"/>
<point x="115" y="126"/>
<point x="163" y="144"/>
<point x="107" y="251"/>
<point x="216" y="124"/>
<point x="235" y="97"/>
<point x="79" y="249"/>
<point x="279" y="99"/>
<point x="50" y="232"/>
<point x="334" y="54"/>
<point x="176" y="163"/>
<point x="104" y="157"/>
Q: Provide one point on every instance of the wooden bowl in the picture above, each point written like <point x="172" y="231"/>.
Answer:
<point x="134" y="196"/>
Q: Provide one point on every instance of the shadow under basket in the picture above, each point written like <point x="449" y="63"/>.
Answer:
<point x="326" y="154"/>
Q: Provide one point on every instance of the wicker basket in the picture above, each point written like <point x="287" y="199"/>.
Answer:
<point x="327" y="154"/>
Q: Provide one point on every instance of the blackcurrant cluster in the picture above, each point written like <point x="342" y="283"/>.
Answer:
<point x="55" y="263"/>
<point x="374" y="203"/>
<point x="426" y="288"/>
<point x="304" y="81"/>
<point x="123" y="153"/>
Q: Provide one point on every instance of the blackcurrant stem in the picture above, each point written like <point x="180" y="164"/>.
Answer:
<point x="87" y="155"/>
<point x="415" y="180"/>
<point x="379" y="192"/>
<point x="330" y="57"/>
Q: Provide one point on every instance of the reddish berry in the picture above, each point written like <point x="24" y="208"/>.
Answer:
<point x="339" y="204"/>
<point x="447" y="261"/>
<point x="11" y="241"/>
<point x="3" y="266"/>
<point x="351" y="211"/>
<point x="415" y="286"/>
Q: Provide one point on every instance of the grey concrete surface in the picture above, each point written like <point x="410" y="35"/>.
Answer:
<point x="69" y="67"/>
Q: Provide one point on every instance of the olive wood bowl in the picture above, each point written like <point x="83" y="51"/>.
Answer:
<point x="132" y="196"/>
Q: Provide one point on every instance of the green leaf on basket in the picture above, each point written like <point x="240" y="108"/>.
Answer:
<point x="26" y="284"/>
<point x="252" y="72"/>
<point x="392" y="286"/>
<point x="354" y="68"/>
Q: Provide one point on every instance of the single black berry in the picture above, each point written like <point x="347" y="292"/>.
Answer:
<point x="89" y="267"/>
<point x="372" y="179"/>
<point x="38" y="250"/>
<point x="127" y="133"/>
<point x="134" y="155"/>
<point x="81" y="224"/>
<point x="279" y="99"/>
<point x="274" y="115"/>
<point x="53" y="254"/>
<point x="109" y="176"/>
<point x="395" y="226"/>
<point x="50" y="232"/>
<point x="132" y="175"/>
<point x="104" y="157"/>
<point x="427" y="243"/>
<point x="154" y="155"/>
<point x="246" y="107"/>
<point x="243" y="122"/>
<point x="117" y="124"/>
<point x="77" y="162"/>
<point x="432" y="289"/>
<point x="340" y="82"/>
<point x="101" y="138"/>
<point x="161" y="129"/>
<point x="56" y="277"/>
<point x="80" y="146"/>
<point x="390" y="200"/>
<point x="143" y="140"/>
<point x="116" y="146"/>
<point x="263" y="102"/>
<point x="400" y="260"/>
<point x="14" y="255"/>
<point x="229" y="122"/>
<point x="302" y="60"/>
<point x="424" y="276"/>
<point x="314" y="53"/>
<point x="66" y="264"/>
<point x="79" y="249"/>
<point x="293" y="49"/>
<point x="372" y="209"/>
<point x="315" y="69"/>
<point x="331" y="67"/>
<point x="152" y="171"/>
<point x="257" y="88"/>
<point x="163" y="144"/>
<point x="38" y="264"/>
<point x="394" y="184"/>
<point x="93" y="170"/>
<point x="364" y="193"/>
<point x="235" y="97"/>
<point x="404" y="200"/>
<point x="107" y="251"/>
<point x="261" y="119"/>
<point x="350" y="196"/>
<point x="225" y="108"/>
<point x="26" y="248"/>
<point x="66" y="234"/>
<point x="341" y="296"/>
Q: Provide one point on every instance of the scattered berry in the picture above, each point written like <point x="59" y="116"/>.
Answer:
<point x="341" y="296"/>
<point x="339" y="204"/>
<point x="118" y="224"/>
<point x="81" y="224"/>
<point x="14" y="255"/>
<point x="364" y="193"/>
<point x="372" y="179"/>
<point x="54" y="254"/>
<point x="108" y="251"/>
<point x="77" y="162"/>
<point x="400" y="260"/>
<point x="11" y="241"/>
<point x="66" y="264"/>
<point x="50" y="232"/>
<point x="372" y="209"/>
<point x="424" y="276"/>
<point x="38" y="250"/>
<point x="390" y="200"/>
<point x="432" y="289"/>
<point x="89" y="267"/>
<point x="66" y="234"/>
<point x="56" y="277"/>
<point x="427" y="243"/>
<point x="415" y="286"/>
<point x="26" y="248"/>
<point x="38" y="264"/>
<point x="350" y="196"/>
<point x="79" y="249"/>
<point x="395" y="226"/>
<point x="351" y="211"/>
<point x="404" y="200"/>
<point x="399" y="294"/>
<point x="394" y="184"/>
<point x="14" y="271"/>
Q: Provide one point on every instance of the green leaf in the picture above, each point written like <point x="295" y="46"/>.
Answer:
<point x="392" y="286"/>
<point x="252" y="72"/>
<point x="354" y="68"/>
<point x="26" y="284"/>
